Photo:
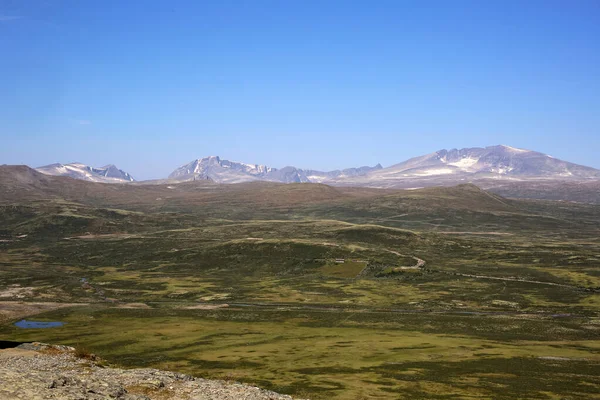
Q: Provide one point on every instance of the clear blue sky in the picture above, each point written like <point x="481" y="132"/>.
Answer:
<point x="151" y="85"/>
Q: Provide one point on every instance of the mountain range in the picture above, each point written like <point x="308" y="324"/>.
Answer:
<point x="224" y="171"/>
<point x="443" y="167"/>
<point x="108" y="173"/>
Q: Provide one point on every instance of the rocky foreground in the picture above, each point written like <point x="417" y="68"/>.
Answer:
<point x="38" y="371"/>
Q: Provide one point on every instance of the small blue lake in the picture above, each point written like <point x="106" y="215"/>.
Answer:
<point x="37" y="324"/>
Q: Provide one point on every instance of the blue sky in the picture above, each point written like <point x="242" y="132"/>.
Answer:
<point x="151" y="85"/>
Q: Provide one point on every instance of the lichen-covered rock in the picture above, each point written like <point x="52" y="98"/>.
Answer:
<point x="37" y="346"/>
<point x="38" y="371"/>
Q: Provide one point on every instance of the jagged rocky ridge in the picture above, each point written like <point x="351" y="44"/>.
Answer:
<point x="224" y="171"/>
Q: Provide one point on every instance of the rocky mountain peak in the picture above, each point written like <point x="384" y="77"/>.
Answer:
<point x="107" y="174"/>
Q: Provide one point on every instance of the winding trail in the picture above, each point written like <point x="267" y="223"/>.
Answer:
<point x="420" y="263"/>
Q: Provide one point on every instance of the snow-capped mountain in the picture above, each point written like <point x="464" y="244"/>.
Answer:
<point x="494" y="162"/>
<point x="224" y="171"/>
<point x="106" y="174"/>
<point x="491" y="161"/>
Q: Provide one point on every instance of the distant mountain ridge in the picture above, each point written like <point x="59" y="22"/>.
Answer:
<point x="491" y="161"/>
<point x="107" y="174"/>
<point x="225" y="171"/>
<point x="440" y="168"/>
<point x="472" y="164"/>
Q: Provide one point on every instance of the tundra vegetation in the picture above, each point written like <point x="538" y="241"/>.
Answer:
<point x="309" y="290"/>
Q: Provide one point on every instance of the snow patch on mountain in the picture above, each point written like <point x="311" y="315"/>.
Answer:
<point x="514" y="149"/>
<point x="502" y="170"/>
<point x="317" y="178"/>
<point x="434" y="171"/>
<point x="465" y="163"/>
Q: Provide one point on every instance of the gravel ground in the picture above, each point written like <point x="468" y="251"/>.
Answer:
<point x="40" y="371"/>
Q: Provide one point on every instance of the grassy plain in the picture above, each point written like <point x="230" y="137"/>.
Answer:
<point x="241" y="282"/>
